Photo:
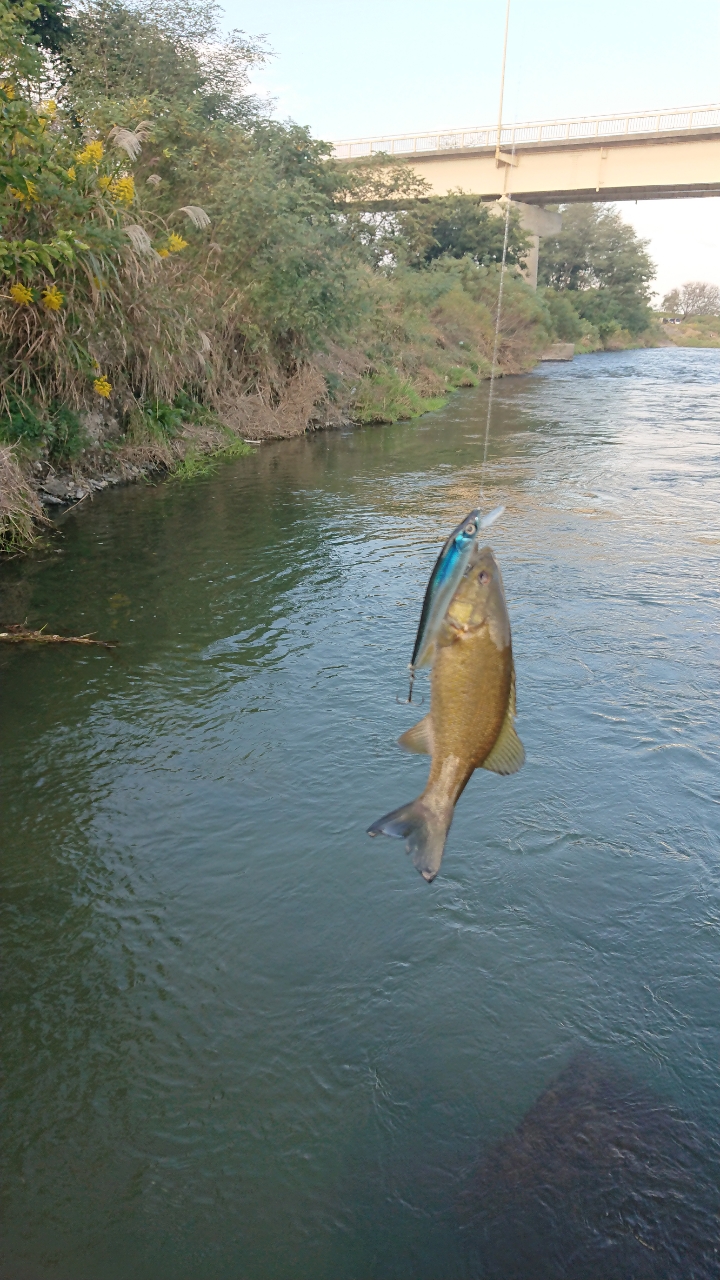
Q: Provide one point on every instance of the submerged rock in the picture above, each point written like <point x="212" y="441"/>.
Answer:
<point x="601" y="1180"/>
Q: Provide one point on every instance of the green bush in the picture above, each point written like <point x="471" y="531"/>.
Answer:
<point x="55" y="429"/>
<point x="566" y="321"/>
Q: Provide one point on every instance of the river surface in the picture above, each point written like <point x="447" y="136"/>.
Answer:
<point x="241" y="1040"/>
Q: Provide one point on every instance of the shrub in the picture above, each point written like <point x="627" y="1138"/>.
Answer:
<point x="56" y="429"/>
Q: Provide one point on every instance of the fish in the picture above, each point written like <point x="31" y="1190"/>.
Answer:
<point x="444" y="579"/>
<point x="471" y="722"/>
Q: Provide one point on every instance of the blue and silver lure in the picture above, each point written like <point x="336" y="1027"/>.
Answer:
<point x="444" y="581"/>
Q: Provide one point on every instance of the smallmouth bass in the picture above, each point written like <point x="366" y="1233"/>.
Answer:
<point x="472" y="710"/>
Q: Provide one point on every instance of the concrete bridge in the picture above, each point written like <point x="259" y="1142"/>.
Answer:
<point x="647" y="155"/>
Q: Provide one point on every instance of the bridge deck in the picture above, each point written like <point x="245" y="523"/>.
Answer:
<point x="647" y="155"/>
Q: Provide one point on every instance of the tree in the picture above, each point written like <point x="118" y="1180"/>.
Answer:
<point x="565" y="318"/>
<point x="164" y="60"/>
<point x="602" y="265"/>
<point x="51" y="27"/>
<point x="459" y="226"/>
<point x="695" y="298"/>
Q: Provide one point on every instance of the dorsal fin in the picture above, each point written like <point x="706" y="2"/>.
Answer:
<point x="508" y="754"/>
<point x="419" y="739"/>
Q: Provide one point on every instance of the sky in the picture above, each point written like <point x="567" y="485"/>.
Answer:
<point x="387" y="66"/>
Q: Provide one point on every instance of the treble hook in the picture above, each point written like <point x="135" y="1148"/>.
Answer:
<point x="404" y="702"/>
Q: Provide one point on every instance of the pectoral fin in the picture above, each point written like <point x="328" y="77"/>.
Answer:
<point x="508" y="754"/>
<point x="419" y="739"/>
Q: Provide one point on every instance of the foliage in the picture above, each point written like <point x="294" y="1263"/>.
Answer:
<point x="398" y="222"/>
<point x="170" y="62"/>
<point x="160" y="234"/>
<point x="51" y="28"/>
<point x="56" y="429"/>
<point x="434" y="330"/>
<point x="566" y="321"/>
<point x="698" y="331"/>
<point x="84" y="297"/>
<point x="602" y="266"/>
<point x="460" y="226"/>
<point x="694" y="298"/>
<point x="196" y="464"/>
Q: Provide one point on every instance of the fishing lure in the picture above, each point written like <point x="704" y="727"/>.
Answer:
<point x="444" y="581"/>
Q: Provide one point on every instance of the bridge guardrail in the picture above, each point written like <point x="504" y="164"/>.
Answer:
<point x="582" y="128"/>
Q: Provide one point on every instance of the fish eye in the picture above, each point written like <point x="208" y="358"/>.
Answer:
<point x="470" y="528"/>
<point x="483" y="577"/>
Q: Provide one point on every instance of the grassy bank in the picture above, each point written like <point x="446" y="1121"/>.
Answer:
<point x="425" y="336"/>
<point x="700" y="331"/>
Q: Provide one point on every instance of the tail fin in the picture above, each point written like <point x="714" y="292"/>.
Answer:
<point x="424" y="831"/>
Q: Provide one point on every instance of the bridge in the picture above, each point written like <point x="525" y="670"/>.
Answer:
<point x="648" y="155"/>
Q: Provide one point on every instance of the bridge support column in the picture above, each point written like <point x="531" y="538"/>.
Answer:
<point x="538" y="222"/>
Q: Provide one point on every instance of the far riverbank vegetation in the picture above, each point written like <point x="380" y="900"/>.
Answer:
<point x="181" y="272"/>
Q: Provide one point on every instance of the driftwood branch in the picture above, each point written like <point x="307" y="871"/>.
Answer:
<point x="22" y="635"/>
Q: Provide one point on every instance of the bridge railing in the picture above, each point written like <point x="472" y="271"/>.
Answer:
<point x="582" y="128"/>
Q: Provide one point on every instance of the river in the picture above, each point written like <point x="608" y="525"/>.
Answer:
<point x="241" y="1040"/>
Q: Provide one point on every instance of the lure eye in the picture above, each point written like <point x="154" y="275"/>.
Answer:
<point x="470" y="528"/>
<point x="483" y="577"/>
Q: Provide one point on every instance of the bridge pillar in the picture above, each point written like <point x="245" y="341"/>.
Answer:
<point x="538" y="222"/>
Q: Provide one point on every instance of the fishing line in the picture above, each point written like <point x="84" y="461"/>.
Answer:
<point x="499" y="160"/>
<point x="455" y="538"/>
<point x="495" y="346"/>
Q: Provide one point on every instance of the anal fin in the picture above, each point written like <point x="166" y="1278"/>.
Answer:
<point x="419" y="739"/>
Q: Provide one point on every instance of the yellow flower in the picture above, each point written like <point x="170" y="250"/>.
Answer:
<point x="8" y="91"/>
<point x="48" y="108"/>
<point x="53" y="298"/>
<point x="176" y="243"/>
<point x="20" y="294"/>
<point x="123" y="189"/>
<point x="102" y="386"/>
<point x="104" y="182"/>
<point x="92" y="153"/>
<point x="72" y="175"/>
<point x="163" y="253"/>
<point x="26" y="197"/>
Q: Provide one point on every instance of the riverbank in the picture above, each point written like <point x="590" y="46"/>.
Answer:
<point x="433" y="338"/>
<point x="425" y="335"/>
<point x="700" y="331"/>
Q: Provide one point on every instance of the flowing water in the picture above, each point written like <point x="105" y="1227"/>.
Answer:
<point x="241" y="1040"/>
